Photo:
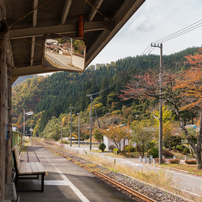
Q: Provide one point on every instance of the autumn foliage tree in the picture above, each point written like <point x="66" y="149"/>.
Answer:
<point x="183" y="91"/>
<point x="117" y="134"/>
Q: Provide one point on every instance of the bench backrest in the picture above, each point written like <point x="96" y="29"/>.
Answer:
<point x="16" y="157"/>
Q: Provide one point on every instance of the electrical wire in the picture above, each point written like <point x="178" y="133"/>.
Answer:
<point x="31" y="42"/>
<point x="148" y="50"/>
<point x="180" y="32"/>
<point x="123" y="74"/>
<point x="95" y="8"/>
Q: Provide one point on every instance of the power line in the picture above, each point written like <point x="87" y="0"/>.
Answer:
<point x="180" y="32"/>
<point x="148" y="50"/>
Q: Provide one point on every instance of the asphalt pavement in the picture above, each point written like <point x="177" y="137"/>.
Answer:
<point x="65" y="182"/>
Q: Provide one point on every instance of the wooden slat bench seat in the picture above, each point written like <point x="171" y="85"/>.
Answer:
<point x="27" y="169"/>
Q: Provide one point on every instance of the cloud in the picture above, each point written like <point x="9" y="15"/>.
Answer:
<point x="141" y="24"/>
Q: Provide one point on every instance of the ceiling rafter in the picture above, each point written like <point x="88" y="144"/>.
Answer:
<point x="60" y="29"/>
<point x="35" y="5"/>
<point x="65" y="11"/>
<point x="93" y="11"/>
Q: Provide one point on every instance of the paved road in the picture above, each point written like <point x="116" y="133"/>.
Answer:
<point x="61" y="60"/>
<point x="66" y="182"/>
<point x="185" y="182"/>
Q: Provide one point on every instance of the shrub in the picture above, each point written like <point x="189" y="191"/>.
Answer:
<point x="65" y="141"/>
<point x="129" y="148"/>
<point x="180" y="147"/>
<point x="111" y="147"/>
<point x="151" y="144"/>
<point x="157" y="160"/>
<point x="154" y="151"/>
<point x="174" y="161"/>
<point x="116" y="112"/>
<point x="102" y="146"/>
<point x="167" y="153"/>
<point x="116" y="151"/>
<point x="186" y="151"/>
<point x="190" y="161"/>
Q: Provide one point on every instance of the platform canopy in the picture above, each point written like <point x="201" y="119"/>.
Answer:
<point x="102" y="20"/>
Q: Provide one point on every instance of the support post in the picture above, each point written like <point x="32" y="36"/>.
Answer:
<point x="3" y="121"/>
<point x="9" y="140"/>
<point x="160" y="104"/>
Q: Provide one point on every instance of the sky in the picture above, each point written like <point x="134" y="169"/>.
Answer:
<point x="154" y="20"/>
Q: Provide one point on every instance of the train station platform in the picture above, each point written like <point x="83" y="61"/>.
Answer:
<point x="65" y="181"/>
<point x="186" y="182"/>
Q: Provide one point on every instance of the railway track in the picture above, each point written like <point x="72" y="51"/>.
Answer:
<point x="103" y="177"/>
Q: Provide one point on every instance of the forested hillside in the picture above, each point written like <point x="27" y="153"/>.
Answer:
<point x="52" y="96"/>
<point x="21" y="79"/>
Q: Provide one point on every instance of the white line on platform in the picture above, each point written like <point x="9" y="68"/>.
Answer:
<point x="51" y="182"/>
<point x="76" y="191"/>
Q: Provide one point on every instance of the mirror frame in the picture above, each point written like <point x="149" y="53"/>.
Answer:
<point x="52" y="36"/>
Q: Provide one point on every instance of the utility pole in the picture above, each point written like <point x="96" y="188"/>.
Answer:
<point x="78" y="129"/>
<point x="160" y="103"/>
<point x="91" y="98"/>
<point x="71" y="127"/>
<point x="61" y="133"/>
<point x="91" y="123"/>
<point x="96" y="115"/>
<point x="23" y="128"/>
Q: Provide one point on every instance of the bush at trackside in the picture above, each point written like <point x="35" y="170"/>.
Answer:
<point x="174" y="161"/>
<point x="190" y="161"/>
<point x="102" y="146"/>
<point x="154" y="152"/>
<point x="111" y="147"/>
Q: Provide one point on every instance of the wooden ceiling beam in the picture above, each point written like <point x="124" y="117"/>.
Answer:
<point x="65" y="11"/>
<point x="35" y="5"/>
<point x="93" y="11"/>
<point x="59" y="29"/>
<point x="122" y="16"/>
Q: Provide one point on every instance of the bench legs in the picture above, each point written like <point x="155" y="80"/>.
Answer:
<point x="42" y="183"/>
<point x="26" y="178"/>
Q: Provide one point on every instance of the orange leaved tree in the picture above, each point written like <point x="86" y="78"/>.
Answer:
<point x="117" y="134"/>
<point x="189" y="84"/>
<point x="183" y="91"/>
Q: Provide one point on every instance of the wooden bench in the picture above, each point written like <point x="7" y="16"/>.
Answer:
<point x="27" y="169"/>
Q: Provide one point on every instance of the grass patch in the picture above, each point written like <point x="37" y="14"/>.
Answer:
<point x="192" y="169"/>
<point x="115" y="155"/>
<point x="180" y="155"/>
<point x="96" y="151"/>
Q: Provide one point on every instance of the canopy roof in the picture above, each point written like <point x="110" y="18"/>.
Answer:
<point x="102" y="20"/>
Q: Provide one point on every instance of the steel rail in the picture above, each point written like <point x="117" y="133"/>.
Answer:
<point x="100" y="175"/>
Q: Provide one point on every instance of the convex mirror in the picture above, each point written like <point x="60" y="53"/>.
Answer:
<point x="64" y="53"/>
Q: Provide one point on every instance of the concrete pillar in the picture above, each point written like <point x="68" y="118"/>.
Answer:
<point x="145" y="159"/>
<point x="140" y="158"/>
